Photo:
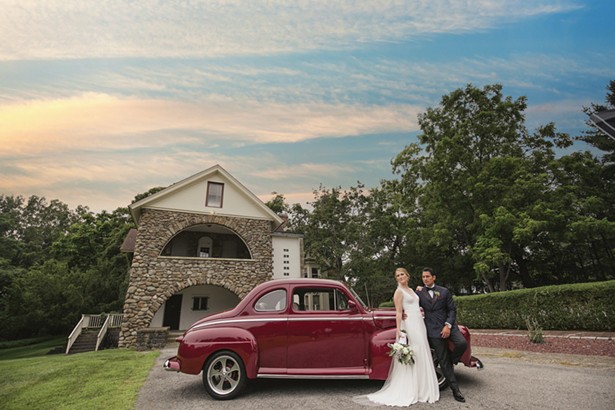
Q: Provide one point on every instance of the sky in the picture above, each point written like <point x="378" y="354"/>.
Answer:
<point x="102" y="100"/>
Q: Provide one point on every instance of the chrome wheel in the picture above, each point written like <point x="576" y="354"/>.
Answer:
<point x="224" y="375"/>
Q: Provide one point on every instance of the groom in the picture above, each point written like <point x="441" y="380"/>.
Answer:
<point x="440" y="321"/>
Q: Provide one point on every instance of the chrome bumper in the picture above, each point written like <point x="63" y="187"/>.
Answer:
<point x="171" y="365"/>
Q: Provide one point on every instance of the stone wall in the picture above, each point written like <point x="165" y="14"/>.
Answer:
<point x="153" y="279"/>
<point x="151" y="338"/>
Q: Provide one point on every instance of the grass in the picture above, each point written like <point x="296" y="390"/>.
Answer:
<point x="534" y="330"/>
<point x="29" y="348"/>
<point x="25" y="342"/>
<point x="107" y="379"/>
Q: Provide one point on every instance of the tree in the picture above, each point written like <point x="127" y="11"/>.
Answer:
<point x="29" y="227"/>
<point x="380" y="242"/>
<point x="476" y="172"/>
<point x="331" y="229"/>
<point x="597" y="138"/>
<point x="278" y="204"/>
<point x="56" y="263"/>
<point x="150" y="192"/>
<point x="92" y="247"/>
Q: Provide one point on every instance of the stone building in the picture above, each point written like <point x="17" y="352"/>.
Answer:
<point x="200" y="246"/>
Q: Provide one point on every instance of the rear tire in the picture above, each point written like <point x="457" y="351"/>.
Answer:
<point x="224" y="375"/>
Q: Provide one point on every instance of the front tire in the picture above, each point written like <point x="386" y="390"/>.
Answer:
<point x="224" y="375"/>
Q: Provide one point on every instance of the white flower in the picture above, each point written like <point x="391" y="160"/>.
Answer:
<point x="402" y="352"/>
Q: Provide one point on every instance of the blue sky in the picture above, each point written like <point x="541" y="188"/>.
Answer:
<point x="101" y="101"/>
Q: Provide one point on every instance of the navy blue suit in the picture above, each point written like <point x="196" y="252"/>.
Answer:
<point x="438" y="311"/>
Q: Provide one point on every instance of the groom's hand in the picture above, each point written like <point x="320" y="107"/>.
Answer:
<point x="445" y="333"/>
<point x="403" y="315"/>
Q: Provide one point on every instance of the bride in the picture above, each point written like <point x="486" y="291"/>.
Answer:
<point x="408" y="383"/>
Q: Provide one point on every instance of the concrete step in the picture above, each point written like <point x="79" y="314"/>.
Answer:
<point x="86" y="342"/>
<point x="174" y="334"/>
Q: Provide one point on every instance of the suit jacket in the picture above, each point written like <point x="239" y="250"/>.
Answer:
<point x="438" y="311"/>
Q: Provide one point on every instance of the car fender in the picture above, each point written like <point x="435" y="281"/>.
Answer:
<point x="199" y="344"/>
<point x="379" y="353"/>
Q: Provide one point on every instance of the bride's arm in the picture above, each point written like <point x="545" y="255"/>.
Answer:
<point x="398" y="299"/>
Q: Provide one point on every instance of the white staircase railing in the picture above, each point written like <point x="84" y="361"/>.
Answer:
<point x="102" y="322"/>
<point x="75" y="334"/>
<point x="113" y="320"/>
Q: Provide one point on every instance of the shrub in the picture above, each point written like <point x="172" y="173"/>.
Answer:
<point x="534" y="331"/>
<point x="581" y="306"/>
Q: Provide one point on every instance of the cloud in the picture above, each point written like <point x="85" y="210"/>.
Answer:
<point x="303" y="171"/>
<point x="567" y="114"/>
<point x="101" y="150"/>
<point x="94" y="121"/>
<point x="111" y="181"/>
<point x="112" y="28"/>
<point x="104" y="181"/>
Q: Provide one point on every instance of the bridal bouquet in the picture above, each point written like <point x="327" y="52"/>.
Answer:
<point x="401" y="350"/>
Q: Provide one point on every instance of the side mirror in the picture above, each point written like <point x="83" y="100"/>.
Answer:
<point x="352" y="305"/>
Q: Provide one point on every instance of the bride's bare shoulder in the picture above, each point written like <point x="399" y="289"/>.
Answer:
<point x="403" y="291"/>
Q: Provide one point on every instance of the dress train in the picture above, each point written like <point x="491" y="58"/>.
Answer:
<point x="409" y="383"/>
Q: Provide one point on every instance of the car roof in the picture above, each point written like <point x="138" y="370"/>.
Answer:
<point x="310" y="281"/>
<point x="297" y="281"/>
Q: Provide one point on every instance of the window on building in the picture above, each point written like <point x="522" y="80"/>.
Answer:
<point x="215" y="192"/>
<point x="199" y="302"/>
<point x="314" y="272"/>
<point x="286" y="261"/>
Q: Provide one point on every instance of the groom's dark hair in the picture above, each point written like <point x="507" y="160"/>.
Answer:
<point x="429" y="270"/>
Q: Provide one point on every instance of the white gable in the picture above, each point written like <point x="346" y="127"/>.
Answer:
<point x="190" y="195"/>
<point x="192" y="198"/>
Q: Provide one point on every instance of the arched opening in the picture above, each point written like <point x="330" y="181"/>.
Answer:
<point x="207" y="241"/>
<point x="191" y="304"/>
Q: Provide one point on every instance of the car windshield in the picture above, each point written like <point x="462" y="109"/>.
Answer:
<point x="358" y="298"/>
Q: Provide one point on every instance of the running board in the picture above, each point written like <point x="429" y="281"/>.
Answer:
<point x="313" y="376"/>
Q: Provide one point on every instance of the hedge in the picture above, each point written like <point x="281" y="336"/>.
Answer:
<point x="580" y="306"/>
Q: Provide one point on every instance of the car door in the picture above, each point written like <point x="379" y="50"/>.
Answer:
<point x="267" y="321"/>
<point x="325" y="336"/>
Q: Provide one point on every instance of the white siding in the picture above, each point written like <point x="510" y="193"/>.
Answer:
<point x="219" y="299"/>
<point x="311" y="269"/>
<point x="192" y="198"/>
<point x="286" y="257"/>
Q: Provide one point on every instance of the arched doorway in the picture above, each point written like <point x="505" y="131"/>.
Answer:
<point x="191" y="304"/>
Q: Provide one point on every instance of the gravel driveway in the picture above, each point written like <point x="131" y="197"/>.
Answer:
<point x="511" y="380"/>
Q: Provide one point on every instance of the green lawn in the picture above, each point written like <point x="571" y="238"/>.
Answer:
<point x="29" y="347"/>
<point x="107" y="379"/>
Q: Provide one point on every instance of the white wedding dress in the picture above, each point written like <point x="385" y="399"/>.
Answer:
<point x="409" y="383"/>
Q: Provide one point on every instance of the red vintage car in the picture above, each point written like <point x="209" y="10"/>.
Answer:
<point x="291" y="328"/>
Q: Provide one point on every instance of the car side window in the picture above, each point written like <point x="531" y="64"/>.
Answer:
<point x="273" y="301"/>
<point x="319" y="300"/>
